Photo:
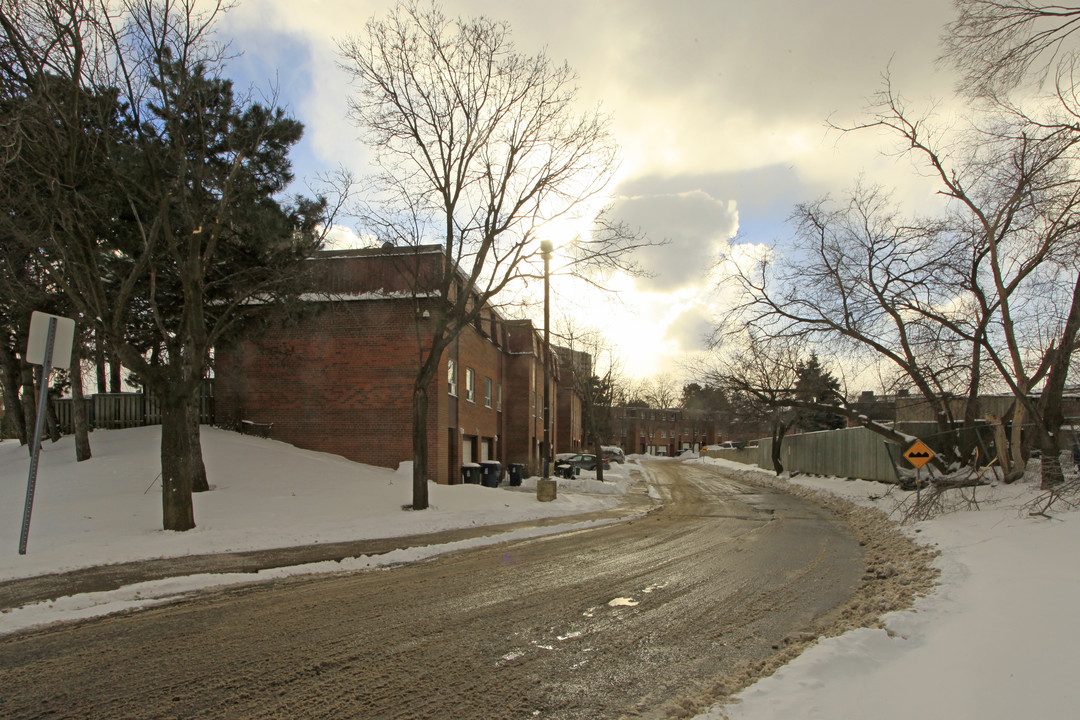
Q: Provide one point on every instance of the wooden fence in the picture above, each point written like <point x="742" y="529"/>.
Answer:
<point x="112" y="411"/>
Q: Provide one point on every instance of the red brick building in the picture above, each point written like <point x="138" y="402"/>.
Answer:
<point x="340" y="378"/>
<point x="575" y="367"/>
<point x="667" y="432"/>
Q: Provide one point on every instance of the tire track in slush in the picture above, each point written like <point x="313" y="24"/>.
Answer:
<point x="643" y="618"/>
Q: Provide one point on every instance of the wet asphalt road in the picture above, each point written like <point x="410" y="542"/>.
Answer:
<point x="636" y="619"/>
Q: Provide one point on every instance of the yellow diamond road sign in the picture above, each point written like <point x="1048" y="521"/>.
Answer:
<point x="918" y="454"/>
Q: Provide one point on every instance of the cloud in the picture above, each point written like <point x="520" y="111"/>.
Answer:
<point x="695" y="227"/>
<point x="691" y="329"/>
<point x="719" y="107"/>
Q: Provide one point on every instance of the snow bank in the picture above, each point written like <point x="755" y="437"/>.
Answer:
<point x="265" y="494"/>
<point x="995" y="641"/>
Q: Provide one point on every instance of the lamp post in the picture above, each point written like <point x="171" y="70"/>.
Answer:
<point x="546" y="487"/>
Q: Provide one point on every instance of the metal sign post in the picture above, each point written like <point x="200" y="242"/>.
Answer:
<point x="43" y="345"/>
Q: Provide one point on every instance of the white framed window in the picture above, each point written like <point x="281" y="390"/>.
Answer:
<point x="487" y="392"/>
<point x="451" y="377"/>
<point x="470" y="385"/>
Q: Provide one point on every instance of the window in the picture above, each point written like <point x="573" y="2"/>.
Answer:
<point x="451" y="377"/>
<point x="498" y="400"/>
<point x="487" y="392"/>
<point x="470" y="385"/>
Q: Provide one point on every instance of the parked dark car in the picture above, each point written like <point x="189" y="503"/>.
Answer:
<point x="567" y="466"/>
<point x="613" y="453"/>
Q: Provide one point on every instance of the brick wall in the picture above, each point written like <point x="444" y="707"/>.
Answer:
<point x="642" y="430"/>
<point x="340" y="380"/>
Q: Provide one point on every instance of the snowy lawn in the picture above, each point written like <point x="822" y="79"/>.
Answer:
<point x="265" y="494"/>
<point x="998" y="639"/>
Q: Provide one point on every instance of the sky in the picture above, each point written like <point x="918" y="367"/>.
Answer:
<point x="719" y="107"/>
<point x="996" y="640"/>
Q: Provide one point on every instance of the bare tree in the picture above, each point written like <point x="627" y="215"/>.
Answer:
<point x="1000" y="45"/>
<point x="479" y="146"/>
<point x="992" y="282"/>
<point x="1016" y="200"/>
<point x="595" y="376"/>
<point x="761" y="375"/>
<point x="857" y="278"/>
<point x="997" y="44"/>
<point x="661" y="392"/>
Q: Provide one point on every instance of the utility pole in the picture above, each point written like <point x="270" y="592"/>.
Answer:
<point x="546" y="488"/>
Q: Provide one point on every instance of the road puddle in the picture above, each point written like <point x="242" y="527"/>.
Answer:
<point x="622" y="602"/>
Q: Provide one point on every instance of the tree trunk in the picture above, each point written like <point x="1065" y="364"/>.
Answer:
<point x="598" y="450"/>
<point x="199" y="482"/>
<point x="1019" y="465"/>
<point x="1001" y="442"/>
<point x="420" y="445"/>
<point x="1052" y="474"/>
<point x="9" y="386"/>
<point x="777" y="440"/>
<point x="29" y="406"/>
<point x="116" y="384"/>
<point x="99" y="360"/>
<point x="178" y="512"/>
<point x="52" y="423"/>
<point x="1050" y="404"/>
<point x="78" y="406"/>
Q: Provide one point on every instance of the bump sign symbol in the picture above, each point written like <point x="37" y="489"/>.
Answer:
<point x="918" y="454"/>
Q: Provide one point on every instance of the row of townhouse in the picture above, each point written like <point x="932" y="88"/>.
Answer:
<point x="665" y="432"/>
<point x="340" y="378"/>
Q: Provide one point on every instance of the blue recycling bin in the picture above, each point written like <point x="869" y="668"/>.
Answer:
<point x="471" y="473"/>
<point x="491" y="473"/>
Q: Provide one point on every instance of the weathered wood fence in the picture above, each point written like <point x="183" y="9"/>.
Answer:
<point x="112" y="411"/>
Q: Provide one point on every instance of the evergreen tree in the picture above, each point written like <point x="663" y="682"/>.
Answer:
<point x="817" y="385"/>
<point x="158" y="212"/>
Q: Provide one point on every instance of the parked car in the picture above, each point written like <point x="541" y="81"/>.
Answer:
<point x="613" y="454"/>
<point x="568" y="467"/>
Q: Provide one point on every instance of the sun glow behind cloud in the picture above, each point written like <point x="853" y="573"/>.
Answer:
<point x="719" y="109"/>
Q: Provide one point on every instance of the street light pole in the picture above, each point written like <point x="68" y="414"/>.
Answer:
<point x="546" y="487"/>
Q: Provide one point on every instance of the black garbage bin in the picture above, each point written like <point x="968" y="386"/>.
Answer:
<point x="491" y="473"/>
<point x="516" y="471"/>
<point x="471" y="473"/>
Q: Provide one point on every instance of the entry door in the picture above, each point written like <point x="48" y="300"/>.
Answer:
<point x="466" y="450"/>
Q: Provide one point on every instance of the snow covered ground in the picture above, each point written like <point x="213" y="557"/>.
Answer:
<point x="997" y="639"/>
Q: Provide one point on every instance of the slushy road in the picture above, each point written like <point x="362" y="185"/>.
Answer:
<point x="635" y="619"/>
